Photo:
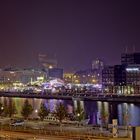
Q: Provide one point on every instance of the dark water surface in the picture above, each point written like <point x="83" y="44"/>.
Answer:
<point x="98" y="112"/>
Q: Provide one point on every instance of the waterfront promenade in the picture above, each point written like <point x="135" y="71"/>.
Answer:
<point x="58" y="132"/>
<point x="75" y="96"/>
<point x="29" y="136"/>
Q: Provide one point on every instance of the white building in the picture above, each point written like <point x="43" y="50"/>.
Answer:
<point x="20" y="75"/>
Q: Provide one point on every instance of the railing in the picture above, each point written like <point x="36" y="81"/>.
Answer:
<point x="79" y="132"/>
<point x="69" y="96"/>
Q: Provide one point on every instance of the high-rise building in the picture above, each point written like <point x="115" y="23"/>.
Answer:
<point x="133" y="75"/>
<point x="108" y="76"/>
<point x="114" y="75"/>
<point x="97" y="64"/>
<point x="120" y="75"/>
<point x="130" y="58"/>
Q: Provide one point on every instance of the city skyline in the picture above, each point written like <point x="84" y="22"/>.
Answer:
<point x="75" y="33"/>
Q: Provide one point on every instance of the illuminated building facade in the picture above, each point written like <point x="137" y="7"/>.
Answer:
<point x="20" y="75"/>
<point x="121" y="79"/>
<point x="133" y="74"/>
<point x="87" y="77"/>
<point x="108" y="76"/>
<point x="124" y="78"/>
<point x="68" y="77"/>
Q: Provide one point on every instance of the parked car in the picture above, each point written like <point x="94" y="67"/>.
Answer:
<point x="17" y="123"/>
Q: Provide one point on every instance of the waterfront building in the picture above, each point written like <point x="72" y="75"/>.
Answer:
<point x="124" y="78"/>
<point x="89" y="76"/>
<point x="21" y="75"/>
<point x="68" y="77"/>
<point x="133" y="74"/>
<point x="108" y="75"/>
<point x="121" y="79"/>
<point x="108" y="78"/>
<point x="133" y="79"/>
<point x="119" y="75"/>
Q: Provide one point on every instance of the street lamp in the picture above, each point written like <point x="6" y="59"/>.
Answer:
<point x="2" y="108"/>
<point x="36" y="111"/>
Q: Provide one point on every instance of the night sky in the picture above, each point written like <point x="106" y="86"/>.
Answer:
<point x="75" y="32"/>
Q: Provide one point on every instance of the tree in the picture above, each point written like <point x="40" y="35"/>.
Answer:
<point x="5" y="107"/>
<point x="9" y="108"/>
<point x="80" y="114"/>
<point x="27" y="109"/>
<point x="60" y="112"/>
<point x="43" y="111"/>
<point x="104" y="116"/>
<point x="12" y="108"/>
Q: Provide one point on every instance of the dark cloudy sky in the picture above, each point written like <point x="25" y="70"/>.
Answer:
<point x="75" y="32"/>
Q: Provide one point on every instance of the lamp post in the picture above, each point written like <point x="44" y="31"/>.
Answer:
<point x="1" y="110"/>
<point x="78" y="116"/>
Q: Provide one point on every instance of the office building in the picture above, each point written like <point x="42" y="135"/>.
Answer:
<point x="108" y="76"/>
<point x="24" y="76"/>
<point x="88" y="76"/>
<point x="121" y="79"/>
<point x="130" y="58"/>
<point x="119" y="75"/>
<point x="133" y="75"/>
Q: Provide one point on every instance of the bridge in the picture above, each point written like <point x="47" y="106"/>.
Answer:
<point x="74" y="96"/>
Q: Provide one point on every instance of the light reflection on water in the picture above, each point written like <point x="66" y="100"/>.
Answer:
<point x="98" y="112"/>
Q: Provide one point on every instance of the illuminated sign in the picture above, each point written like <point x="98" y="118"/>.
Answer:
<point x="132" y="69"/>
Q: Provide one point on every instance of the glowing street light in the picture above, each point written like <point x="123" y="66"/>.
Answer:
<point x="50" y="67"/>
<point x="36" y="111"/>
<point x="78" y="114"/>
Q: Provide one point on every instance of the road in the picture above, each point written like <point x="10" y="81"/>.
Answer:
<point x="26" y="136"/>
<point x="37" y="127"/>
<point x="29" y="136"/>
